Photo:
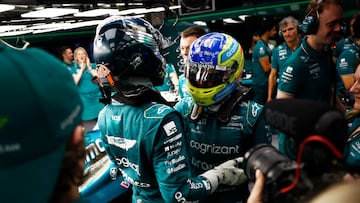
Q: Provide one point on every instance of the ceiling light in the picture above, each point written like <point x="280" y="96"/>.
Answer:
<point x="201" y="23"/>
<point x="48" y="30"/>
<point x="231" y="21"/>
<point x="6" y="7"/>
<point x="139" y="10"/>
<point x="242" y="17"/>
<point x="5" y="28"/>
<point x="96" y="12"/>
<point x="135" y="4"/>
<point x="104" y="5"/>
<point x="47" y="26"/>
<point x="150" y="10"/>
<point x="123" y="12"/>
<point x="129" y="11"/>
<point x="49" y="13"/>
<point x="15" y="33"/>
<point x="82" y="24"/>
<point x="27" y="20"/>
<point x="174" y="7"/>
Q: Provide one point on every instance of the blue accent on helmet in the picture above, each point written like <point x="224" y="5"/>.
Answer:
<point x="225" y="92"/>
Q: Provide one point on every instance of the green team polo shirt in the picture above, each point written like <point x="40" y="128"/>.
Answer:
<point x="347" y="60"/>
<point x="259" y="76"/>
<point x="279" y="55"/>
<point x="307" y="74"/>
<point x="342" y="45"/>
<point x="352" y="146"/>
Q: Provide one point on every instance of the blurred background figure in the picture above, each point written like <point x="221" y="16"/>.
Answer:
<point x="42" y="144"/>
<point x="188" y="36"/>
<point x="261" y="60"/>
<point x="85" y="76"/>
<point x="352" y="150"/>
<point x="66" y="55"/>
<point x="254" y="39"/>
<point x="346" y="63"/>
<point x="288" y="31"/>
<point x="346" y="42"/>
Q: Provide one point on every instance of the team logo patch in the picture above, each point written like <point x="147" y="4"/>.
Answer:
<point x="261" y="51"/>
<point x="122" y="143"/>
<point x="255" y="109"/>
<point x="170" y="128"/>
<point x="289" y="69"/>
<point x="343" y="63"/>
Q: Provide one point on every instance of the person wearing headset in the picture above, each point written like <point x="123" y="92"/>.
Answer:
<point x="347" y="42"/>
<point x="309" y="73"/>
<point x="346" y="64"/>
<point x="289" y="32"/>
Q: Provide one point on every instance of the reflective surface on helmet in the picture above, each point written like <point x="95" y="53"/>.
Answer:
<point x="129" y="47"/>
<point x="207" y="75"/>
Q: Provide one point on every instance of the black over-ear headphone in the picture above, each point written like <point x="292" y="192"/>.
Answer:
<point x="310" y="24"/>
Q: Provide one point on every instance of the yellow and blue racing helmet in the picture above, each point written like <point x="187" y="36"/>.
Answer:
<point x="214" y="68"/>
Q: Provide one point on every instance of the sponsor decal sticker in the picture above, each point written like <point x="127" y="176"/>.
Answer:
<point x="170" y="128"/>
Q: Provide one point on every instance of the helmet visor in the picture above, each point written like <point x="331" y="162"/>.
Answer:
<point x="207" y="75"/>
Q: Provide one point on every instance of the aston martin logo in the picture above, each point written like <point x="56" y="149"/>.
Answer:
<point x="120" y="142"/>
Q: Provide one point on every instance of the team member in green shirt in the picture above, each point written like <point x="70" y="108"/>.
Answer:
<point x="309" y="73"/>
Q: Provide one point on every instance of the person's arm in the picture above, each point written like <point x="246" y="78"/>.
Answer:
<point x="256" y="194"/>
<point x="348" y="80"/>
<point x="283" y="95"/>
<point x="92" y="69"/>
<point x="173" y="76"/>
<point x="272" y="83"/>
<point x="175" y="81"/>
<point x="77" y="76"/>
<point x="265" y="63"/>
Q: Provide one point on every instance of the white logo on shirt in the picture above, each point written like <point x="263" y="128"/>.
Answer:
<point x="170" y="128"/>
<point x="289" y="69"/>
<point x="122" y="143"/>
<point x="255" y="109"/>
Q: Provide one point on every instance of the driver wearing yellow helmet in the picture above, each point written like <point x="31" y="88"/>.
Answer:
<point x="222" y="120"/>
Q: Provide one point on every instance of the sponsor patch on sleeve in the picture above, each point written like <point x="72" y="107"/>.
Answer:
<point x="170" y="128"/>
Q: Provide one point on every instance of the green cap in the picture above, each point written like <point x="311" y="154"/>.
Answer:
<point x="40" y="107"/>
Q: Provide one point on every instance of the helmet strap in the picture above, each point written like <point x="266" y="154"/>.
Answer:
<point x="106" y="94"/>
<point x="196" y="112"/>
<point x="139" y="96"/>
<point x="240" y="94"/>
